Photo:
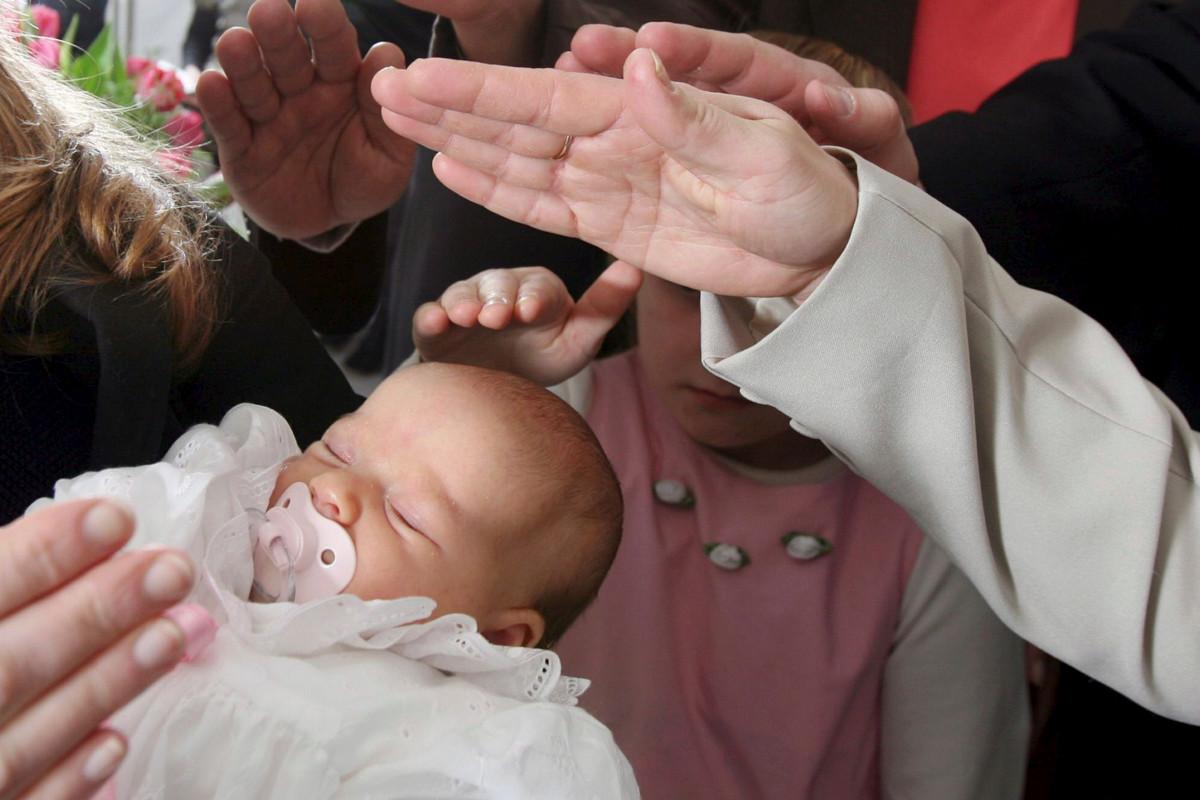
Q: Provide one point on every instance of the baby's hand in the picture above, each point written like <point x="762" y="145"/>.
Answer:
<point x="524" y="321"/>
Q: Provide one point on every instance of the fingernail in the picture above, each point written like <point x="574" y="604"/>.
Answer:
<point x="497" y="299"/>
<point x="841" y="100"/>
<point x="522" y="298"/>
<point x="659" y="70"/>
<point x="105" y="523"/>
<point x="169" y="578"/>
<point x="198" y="626"/>
<point x="161" y="644"/>
<point x="105" y="759"/>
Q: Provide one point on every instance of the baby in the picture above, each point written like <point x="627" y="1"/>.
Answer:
<point x="485" y="493"/>
<point x="453" y="488"/>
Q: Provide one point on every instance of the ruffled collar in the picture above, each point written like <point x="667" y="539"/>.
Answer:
<point x="451" y="643"/>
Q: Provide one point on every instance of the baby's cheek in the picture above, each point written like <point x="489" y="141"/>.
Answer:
<point x="291" y="472"/>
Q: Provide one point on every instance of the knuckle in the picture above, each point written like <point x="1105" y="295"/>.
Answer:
<point x="98" y="608"/>
<point x="99" y="694"/>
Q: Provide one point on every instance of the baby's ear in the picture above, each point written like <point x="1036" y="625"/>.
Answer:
<point x="516" y="627"/>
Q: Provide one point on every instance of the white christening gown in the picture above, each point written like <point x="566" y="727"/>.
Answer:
<point x="338" y="697"/>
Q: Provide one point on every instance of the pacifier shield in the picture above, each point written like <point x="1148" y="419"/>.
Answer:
<point x="296" y="539"/>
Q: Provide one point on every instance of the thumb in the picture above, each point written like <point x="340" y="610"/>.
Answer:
<point x="601" y="306"/>
<point x="696" y="129"/>
<point x="867" y="121"/>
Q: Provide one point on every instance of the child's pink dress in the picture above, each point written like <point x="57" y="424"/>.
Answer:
<point x="769" y="680"/>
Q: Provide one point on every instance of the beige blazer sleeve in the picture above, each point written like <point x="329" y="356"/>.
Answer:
<point x="1011" y="427"/>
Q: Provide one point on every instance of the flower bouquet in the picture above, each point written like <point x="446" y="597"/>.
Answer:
<point x="148" y="94"/>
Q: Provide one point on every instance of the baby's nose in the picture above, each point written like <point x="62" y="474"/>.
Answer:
<point x="335" y="498"/>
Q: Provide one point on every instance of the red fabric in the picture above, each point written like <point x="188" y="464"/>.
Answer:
<point x="963" y="50"/>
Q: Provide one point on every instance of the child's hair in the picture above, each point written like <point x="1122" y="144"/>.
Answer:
<point x="856" y="70"/>
<point x="83" y="201"/>
<point x="582" y="490"/>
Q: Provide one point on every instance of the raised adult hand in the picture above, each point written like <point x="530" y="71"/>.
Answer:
<point x="707" y="190"/>
<point x="867" y="121"/>
<point x="493" y="31"/>
<point x="78" y="640"/>
<point x="524" y="321"/>
<point x="301" y="142"/>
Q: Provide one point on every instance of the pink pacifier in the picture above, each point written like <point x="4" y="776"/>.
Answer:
<point x="299" y="554"/>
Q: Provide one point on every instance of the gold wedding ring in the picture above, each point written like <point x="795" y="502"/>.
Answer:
<point x="566" y="148"/>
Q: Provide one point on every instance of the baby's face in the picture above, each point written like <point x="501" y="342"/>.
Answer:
<point x="426" y="478"/>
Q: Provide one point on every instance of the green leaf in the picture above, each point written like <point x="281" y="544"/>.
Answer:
<point x="67" y="54"/>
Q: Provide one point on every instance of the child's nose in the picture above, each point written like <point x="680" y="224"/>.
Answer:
<point x="335" y="496"/>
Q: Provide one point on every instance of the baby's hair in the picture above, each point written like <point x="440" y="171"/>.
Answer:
<point x="856" y="70"/>
<point x="583" y="491"/>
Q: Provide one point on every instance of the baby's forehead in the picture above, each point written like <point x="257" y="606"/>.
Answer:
<point x="507" y="420"/>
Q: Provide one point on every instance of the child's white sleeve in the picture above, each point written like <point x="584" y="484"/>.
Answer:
<point x="955" y="712"/>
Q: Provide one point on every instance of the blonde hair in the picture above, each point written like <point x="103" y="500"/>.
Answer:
<point x="856" y="70"/>
<point x="83" y="201"/>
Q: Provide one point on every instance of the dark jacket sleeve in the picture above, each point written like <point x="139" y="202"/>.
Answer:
<point x="1082" y="172"/>
<point x="263" y="351"/>
<point x="336" y="291"/>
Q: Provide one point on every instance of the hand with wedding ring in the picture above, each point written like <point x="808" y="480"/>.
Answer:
<point x="711" y="191"/>
<point x="80" y="636"/>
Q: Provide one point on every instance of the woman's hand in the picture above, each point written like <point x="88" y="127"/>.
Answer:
<point x="524" y="321"/>
<point x="78" y="640"/>
<point x="301" y="142"/>
<point x="867" y="121"/>
<point x="711" y="191"/>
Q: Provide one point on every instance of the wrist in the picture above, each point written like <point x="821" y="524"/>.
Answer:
<point x="843" y="210"/>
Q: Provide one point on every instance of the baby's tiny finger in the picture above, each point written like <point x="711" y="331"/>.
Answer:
<point x="530" y="305"/>
<point x="429" y="321"/>
<point x="539" y="297"/>
<point x="83" y="773"/>
<point x="461" y="302"/>
<point x="497" y="292"/>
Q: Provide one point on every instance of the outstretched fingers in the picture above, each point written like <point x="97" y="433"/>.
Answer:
<point x="867" y="121"/>
<point x="599" y="48"/>
<point x="736" y="63"/>
<point x="285" y="53"/>
<point x="230" y="128"/>
<point x="334" y="41"/>
<point x="561" y="102"/>
<point x="539" y="209"/>
<point x="252" y="85"/>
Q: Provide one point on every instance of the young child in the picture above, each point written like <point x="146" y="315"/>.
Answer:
<point x="773" y="626"/>
<point x="430" y="539"/>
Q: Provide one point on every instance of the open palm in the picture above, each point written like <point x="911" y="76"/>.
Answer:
<point x="711" y="191"/>
<point x="301" y="141"/>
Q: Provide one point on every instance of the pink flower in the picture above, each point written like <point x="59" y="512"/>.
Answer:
<point x="48" y="23"/>
<point x="186" y="129"/>
<point x="175" y="162"/>
<point x="136" y="65"/>
<point x="160" y="88"/>
<point x="46" y="51"/>
<point x="10" y="21"/>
